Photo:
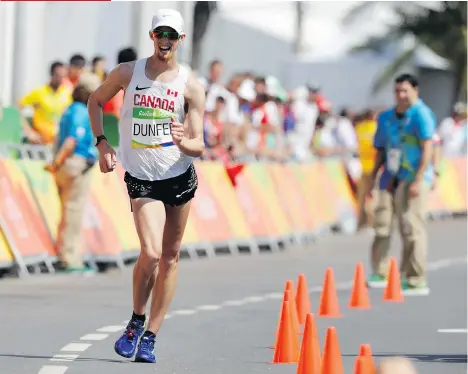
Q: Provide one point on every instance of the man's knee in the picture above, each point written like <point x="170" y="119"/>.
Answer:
<point x="170" y="254"/>
<point x="150" y="258"/>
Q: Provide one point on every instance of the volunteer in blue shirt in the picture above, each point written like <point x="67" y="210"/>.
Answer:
<point x="404" y="141"/>
<point x="71" y="167"/>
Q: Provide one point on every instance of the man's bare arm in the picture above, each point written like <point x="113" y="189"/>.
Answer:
<point x="118" y="78"/>
<point x="193" y="145"/>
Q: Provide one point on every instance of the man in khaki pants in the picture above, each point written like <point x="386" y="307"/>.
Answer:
<point x="72" y="169"/>
<point x="404" y="141"/>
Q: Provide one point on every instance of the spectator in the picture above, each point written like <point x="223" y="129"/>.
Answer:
<point x="72" y="169"/>
<point x="76" y="67"/>
<point x="454" y="132"/>
<point x="48" y="102"/>
<point x="98" y="67"/>
<point x="215" y="136"/>
<point x="113" y="105"/>
<point x="306" y="113"/>
<point x="395" y="365"/>
<point x="260" y="85"/>
<point x="213" y="86"/>
<point x="365" y="131"/>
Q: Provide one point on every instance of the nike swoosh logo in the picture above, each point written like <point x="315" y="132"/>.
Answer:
<point x="141" y="88"/>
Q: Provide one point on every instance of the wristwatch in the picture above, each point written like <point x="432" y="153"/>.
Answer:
<point x="99" y="139"/>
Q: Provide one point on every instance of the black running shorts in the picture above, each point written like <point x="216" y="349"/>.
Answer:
<point x="173" y="191"/>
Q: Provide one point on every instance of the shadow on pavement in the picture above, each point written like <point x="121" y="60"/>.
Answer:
<point x="444" y="358"/>
<point x="75" y="360"/>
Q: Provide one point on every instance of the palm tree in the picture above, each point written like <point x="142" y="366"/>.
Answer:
<point x="201" y="18"/>
<point x="441" y="27"/>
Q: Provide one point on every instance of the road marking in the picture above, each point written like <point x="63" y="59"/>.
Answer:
<point x="64" y="358"/>
<point x="254" y="299"/>
<point x="76" y="347"/>
<point x="342" y="286"/>
<point x="208" y="307"/>
<point x="234" y="302"/>
<point x="453" y="331"/>
<point x="94" y="337"/>
<point x="184" y="312"/>
<point x="53" y="369"/>
<point x="111" y="329"/>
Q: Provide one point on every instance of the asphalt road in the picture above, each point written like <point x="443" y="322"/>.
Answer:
<point x="224" y="315"/>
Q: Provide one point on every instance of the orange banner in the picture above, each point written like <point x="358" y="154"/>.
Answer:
<point x="459" y="165"/>
<point x="6" y="258"/>
<point x="220" y="186"/>
<point x="207" y="214"/>
<point x="100" y="232"/>
<point x="257" y="196"/>
<point x="290" y="198"/>
<point x="107" y="190"/>
<point x="20" y="214"/>
<point x="45" y="191"/>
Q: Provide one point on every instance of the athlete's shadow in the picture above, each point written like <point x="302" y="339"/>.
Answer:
<point x="83" y="359"/>
<point x="435" y="358"/>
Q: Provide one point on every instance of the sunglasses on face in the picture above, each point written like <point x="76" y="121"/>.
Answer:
<point x="171" y="35"/>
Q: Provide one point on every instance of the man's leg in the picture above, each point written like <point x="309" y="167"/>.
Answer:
<point x="166" y="279"/>
<point x="411" y="213"/>
<point x="149" y="216"/>
<point x="383" y="226"/>
<point x="74" y="188"/>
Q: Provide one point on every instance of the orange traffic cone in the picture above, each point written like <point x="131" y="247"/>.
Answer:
<point x="309" y="358"/>
<point x="290" y="287"/>
<point x="393" y="290"/>
<point x="302" y="299"/>
<point x="329" y="306"/>
<point x="331" y="360"/>
<point x="287" y="297"/>
<point x="287" y="345"/>
<point x="365" y="352"/>
<point x="361" y="366"/>
<point x="359" y="296"/>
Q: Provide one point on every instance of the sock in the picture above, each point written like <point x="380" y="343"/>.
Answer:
<point x="139" y="317"/>
<point x="149" y="334"/>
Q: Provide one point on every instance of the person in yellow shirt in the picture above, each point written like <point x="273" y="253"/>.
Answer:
<point x="365" y="130"/>
<point x="48" y="102"/>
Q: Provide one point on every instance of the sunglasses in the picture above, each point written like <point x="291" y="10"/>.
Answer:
<point x="171" y="35"/>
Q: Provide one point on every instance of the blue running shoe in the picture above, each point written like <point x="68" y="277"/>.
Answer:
<point x="127" y="344"/>
<point x="146" y="350"/>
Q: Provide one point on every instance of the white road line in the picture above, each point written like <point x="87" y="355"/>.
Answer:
<point x="111" y="329"/>
<point x="94" y="337"/>
<point x="46" y="369"/>
<point x="254" y="299"/>
<point x="234" y="302"/>
<point x="76" y="347"/>
<point x="80" y="347"/>
<point x="184" y="312"/>
<point x="453" y="331"/>
<point x="64" y="358"/>
<point x="208" y="307"/>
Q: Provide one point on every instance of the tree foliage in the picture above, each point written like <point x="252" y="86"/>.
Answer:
<point x="443" y="29"/>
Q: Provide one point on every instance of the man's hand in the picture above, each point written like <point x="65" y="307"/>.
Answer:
<point x="107" y="157"/>
<point x="370" y="188"/>
<point x="51" y="168"/>
<point x="34" y="137"/>
<point x="414" y="188"/>
<point x="177" y="132"/>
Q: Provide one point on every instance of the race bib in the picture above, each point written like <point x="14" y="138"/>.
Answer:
<point x="393" y="160"/>
<point x="151" y="128"/>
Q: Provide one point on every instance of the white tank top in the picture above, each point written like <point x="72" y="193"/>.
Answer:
<point x="146" y="149"/>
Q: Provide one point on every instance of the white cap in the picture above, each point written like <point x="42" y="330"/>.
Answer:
<point x="169" y="18"/>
